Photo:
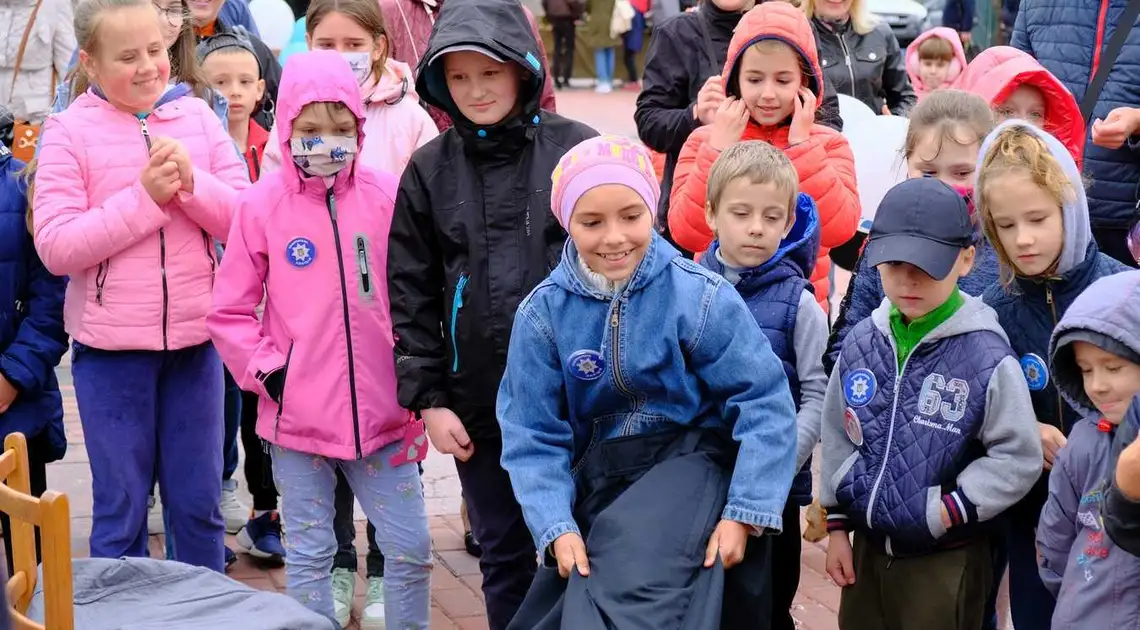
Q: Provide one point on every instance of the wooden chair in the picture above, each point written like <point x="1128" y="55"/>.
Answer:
<point x="51" y="515"/>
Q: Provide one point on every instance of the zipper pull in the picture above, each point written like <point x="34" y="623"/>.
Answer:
<point x="145" y="133"/>
<point x="330" y="201"/>
<point x="614" y="319"/>
<point x="1048" y="295"/>
<point x="362" y="264"/>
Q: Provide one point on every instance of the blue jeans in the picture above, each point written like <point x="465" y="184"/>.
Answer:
<point x="604" y="63"/>
<point x="139" y="410"/>
<point x="232" y="424"/>
<point x="392" y="498"/>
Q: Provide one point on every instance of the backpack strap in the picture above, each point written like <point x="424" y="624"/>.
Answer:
<point x="24" y="44"/>
<point x="1108" y="58"/>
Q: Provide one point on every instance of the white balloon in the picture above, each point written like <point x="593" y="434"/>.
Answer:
<point x="877" y="142"/>
<point x="853" y="109"/>
<point x="274" y="21"/>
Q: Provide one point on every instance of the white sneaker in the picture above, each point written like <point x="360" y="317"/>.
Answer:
<point x="154" y="524"/>
<point x="344" y="590"/>
<point x="233" y="512"/>
<point x="604" y="88"/>
<point x="373" y="617"/>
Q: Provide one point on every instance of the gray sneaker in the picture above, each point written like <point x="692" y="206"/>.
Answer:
<point x="344" y="590"/>
<point x="373" y="617"/>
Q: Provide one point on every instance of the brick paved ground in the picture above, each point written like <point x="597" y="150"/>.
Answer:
<point x="457" y="600"/>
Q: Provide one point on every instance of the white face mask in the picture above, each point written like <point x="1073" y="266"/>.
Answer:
<point x="361" y="64"/>
<point x="323" y="156"/>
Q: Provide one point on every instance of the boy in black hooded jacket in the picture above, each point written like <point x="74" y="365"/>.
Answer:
<point x="472" y="234"/>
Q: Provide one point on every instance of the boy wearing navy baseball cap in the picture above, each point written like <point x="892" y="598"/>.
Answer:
<point x="928" y="429"/>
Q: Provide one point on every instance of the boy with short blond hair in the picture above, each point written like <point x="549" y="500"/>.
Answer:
<point x="767" y="240"/>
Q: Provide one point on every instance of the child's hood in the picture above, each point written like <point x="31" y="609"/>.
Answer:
<point x="395" y="85"/>
<point x="1075" y="213"/>
<point x="500" y="26"/>
<point x="997" y="72"/>
<point x="658" y="256"/>
<point x="973" y="316"/>
<point x="1109" y="307"/>
<point x="313" y="77"/>
<point x="773" y="20"/>
<point x="914" y="64"/>
<point x="799" y="248"/>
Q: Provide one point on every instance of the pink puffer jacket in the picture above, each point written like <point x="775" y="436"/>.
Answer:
<point x="140" y="273"/>
<point x="322" y="253"/>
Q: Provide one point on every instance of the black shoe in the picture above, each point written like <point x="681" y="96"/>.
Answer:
<point x="471" y="545"/>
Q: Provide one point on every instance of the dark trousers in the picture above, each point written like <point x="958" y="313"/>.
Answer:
<point x="943" y="590"/>
<point x="140" y="409"/>
<point x="258" y="464"/>
<point x="1114" y="242"/>
<point x="38" y="448"/>
<point x="629" y="57"/>
<point x="1030" y="603"/>
<point x="232" y="397"/>
<point x="345" y="531"/>
<point x="1001" y="561"/>
<point x="563" y="61"/>
<point x="786" y="549"/>
<point x="508" y="562"/>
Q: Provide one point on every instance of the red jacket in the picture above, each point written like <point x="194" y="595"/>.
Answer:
<point x="824" y="161"/>
<point x="409" y="24"/>
<point x="255" y="149"/>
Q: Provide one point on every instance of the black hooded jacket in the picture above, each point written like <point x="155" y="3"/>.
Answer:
<point x="472" y="232"/>
<point x="679" y="61"/>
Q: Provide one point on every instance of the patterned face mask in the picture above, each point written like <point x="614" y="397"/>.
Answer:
<point x="361" y="64"/>
<point x="323" y="156"/>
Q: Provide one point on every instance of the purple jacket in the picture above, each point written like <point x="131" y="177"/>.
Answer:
<point x="1094" y="580"/>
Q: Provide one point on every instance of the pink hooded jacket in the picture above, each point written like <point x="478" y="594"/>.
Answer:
<point x="321" y="250"/>
<point x="140" y="273"/>
<point x="914" y="64"/>
<point x="395" y="124"/>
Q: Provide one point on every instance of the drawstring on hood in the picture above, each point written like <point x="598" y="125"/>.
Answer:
<point x="1074" y="213"/>
<point x="394" y="85"/>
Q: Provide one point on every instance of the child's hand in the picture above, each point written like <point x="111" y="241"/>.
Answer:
<point x="447" y="434"/>
<point x="8" y="394"/>
<point x="886" y="110"/>
<point x="840" y="565"/>
<point x="180" y="156"/>
<point x="1052" y="440"/>
<point x="729" y="540"/>
<point x="731" y="120"/>
<point x="570" y="552"/>
<point x="1113" y="131"/>
<point x="803" y="117"/>
<point x="946" y="522"/>
<point x="160" y="177"/>
<point x="709" y="99"/>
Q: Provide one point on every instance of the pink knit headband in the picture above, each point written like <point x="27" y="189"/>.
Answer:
<point x="599" y="161"/>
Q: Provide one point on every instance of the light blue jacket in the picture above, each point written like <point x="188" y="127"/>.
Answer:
<point x="676" y="346"/>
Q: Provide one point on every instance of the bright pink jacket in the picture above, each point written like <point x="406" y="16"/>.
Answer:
<point x="140" y="273"/>
<point x="322" y="253"/>
<point x="395" y="124"/>
<point x="914" y="64"/>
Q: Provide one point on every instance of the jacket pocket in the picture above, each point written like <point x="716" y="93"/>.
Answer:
<point x="456" y="306"/>
<point x="365" y="282"/>
<point x="284" y="388"/>
<point x="208" y="244"/>
<point x="101" y="279"/>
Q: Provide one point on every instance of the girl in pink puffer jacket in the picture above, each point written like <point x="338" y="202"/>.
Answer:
<point x="135" y="180"/>
<point x="313" y="239"/>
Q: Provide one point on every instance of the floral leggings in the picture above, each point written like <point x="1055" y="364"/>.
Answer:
<point x="392" y="498"/>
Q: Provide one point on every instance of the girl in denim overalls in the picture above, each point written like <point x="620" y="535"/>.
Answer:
<point x="648" y="428"/>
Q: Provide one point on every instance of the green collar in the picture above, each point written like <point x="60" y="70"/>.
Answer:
<point x="907" y="336"/>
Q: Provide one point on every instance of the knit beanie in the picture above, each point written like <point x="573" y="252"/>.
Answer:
<point x="222" y="41"/>
<point x="599" y="161"/>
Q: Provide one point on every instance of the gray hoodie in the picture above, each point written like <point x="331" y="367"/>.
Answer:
<point x="1096" y="583"/>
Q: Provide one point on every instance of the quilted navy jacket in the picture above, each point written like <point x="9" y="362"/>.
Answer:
<point x="32" y="339"/>
<point x="1064" y="36"/>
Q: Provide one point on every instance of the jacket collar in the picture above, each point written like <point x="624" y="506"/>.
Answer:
<point x="658" y="256"/>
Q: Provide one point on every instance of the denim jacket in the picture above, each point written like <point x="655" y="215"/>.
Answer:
<point x="687" y="352"/>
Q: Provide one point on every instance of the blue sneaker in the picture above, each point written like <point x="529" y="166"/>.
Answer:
<point x="231" y="558"/>
<point x="261" y="538"/>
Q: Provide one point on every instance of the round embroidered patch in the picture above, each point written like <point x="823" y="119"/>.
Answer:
<point x="1036" y="372"/>
<point x="586" y="365"/>
<point x="859" y="387"/>
<point x="300" y="252"/>
<point x="853" y="427"/>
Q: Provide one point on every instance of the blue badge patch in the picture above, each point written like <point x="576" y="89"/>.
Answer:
<point x="300" y="252"/>
<point x="859" y="387"/>
<point x="1036" y="372"/>
<point x="586" y="365"/>
<point x="533" y="61"/>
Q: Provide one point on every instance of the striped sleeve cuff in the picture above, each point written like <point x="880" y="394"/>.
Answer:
<point x="960" y="509"/>
<point x="838" y="523"/>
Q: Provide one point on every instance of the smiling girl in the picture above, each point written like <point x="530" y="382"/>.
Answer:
<point x="134" y="179"/>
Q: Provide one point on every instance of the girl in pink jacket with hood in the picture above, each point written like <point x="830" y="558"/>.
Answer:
<point x="135" y="180"/>
<point x="315" y="235"/>
<point x="935" y="60"/>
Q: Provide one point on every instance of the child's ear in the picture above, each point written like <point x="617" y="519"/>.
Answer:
<point x="967" y="259"/>
<point x="710" y="217"/>
<point x="87" y="63"/>
<point x="791" y="219"/>
<point x="260" y="90"/>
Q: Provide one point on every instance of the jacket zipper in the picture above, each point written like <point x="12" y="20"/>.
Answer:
<point x="256" y="164"/>
<point x="1060" y="402"/>
<point x="362" y="265"/>
<point x="456" y="306"/>
<point x="890" y="433"/>
<point x="100" y="278"/>
<point x="330" y="202"/>
<point x="615" y="342"/>
<point x="207" y="241"/>
<point x="284" y="379"/>
<point x="161" y="257"/>
<point x="847" y="58"/>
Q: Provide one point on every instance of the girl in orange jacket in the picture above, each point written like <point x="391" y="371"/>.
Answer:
<point x="772" y="81"/>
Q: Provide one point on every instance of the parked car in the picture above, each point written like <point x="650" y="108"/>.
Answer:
<point x="907" y="18"/>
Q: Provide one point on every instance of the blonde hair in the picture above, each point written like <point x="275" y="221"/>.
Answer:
<point x="760" y="163"/>
<point x="1018" y="151"/>
<point x="935" y="48"/>
<point x="955" y="115"/>
<point x="365" y="13"/>
<point x="861" y="19"/>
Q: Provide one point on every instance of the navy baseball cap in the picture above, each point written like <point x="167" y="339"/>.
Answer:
<point x="923" y="222"/>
